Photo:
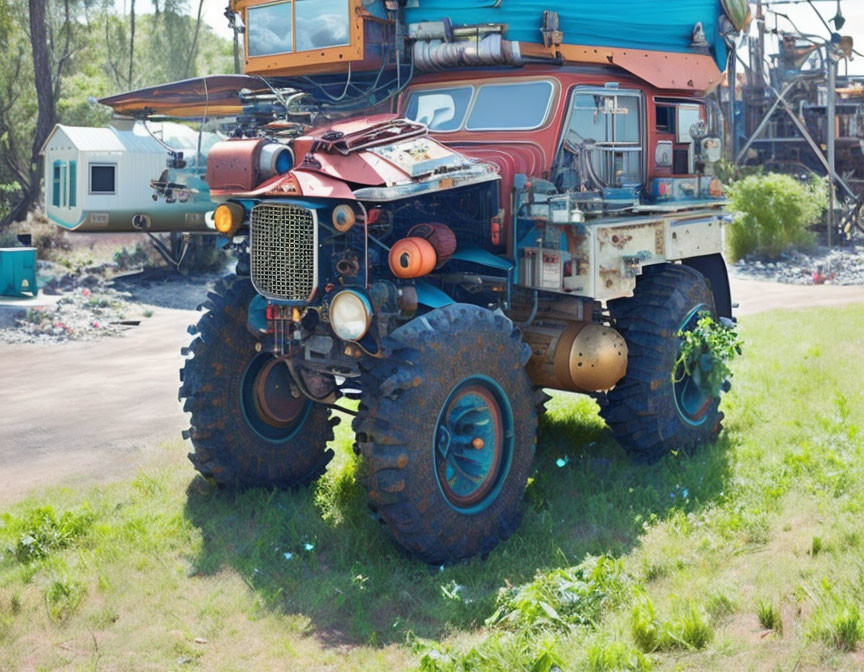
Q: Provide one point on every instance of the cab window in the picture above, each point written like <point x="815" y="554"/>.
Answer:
<point x="676" y="122"/>
<point x="606" y="126"/>
<point x="440" y="109"/>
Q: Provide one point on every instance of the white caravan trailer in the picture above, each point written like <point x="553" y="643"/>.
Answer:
<point x="98" y="179"/>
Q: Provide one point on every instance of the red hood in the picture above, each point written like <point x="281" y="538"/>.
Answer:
<point x="376" y="151"/>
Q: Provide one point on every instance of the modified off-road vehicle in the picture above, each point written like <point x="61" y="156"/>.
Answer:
<point x="529" y="214"/>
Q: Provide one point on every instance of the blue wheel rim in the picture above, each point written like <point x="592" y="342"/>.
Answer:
<point x="473" y="444"/>
<point x="279" y="420"/>
<point x="692" y="403"/>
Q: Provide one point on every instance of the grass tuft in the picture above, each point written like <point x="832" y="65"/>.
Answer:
<point x="62" y="597"/>
<point x="847" y="629"/>
<point x="565" y="597"/>
<point x="41" y="531"/>
<point x="616" y="656"/>
<point x="689" y="630"/>
<point x="769" y="616"/>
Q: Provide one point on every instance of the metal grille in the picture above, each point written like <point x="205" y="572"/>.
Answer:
<point x="282" y="246"/>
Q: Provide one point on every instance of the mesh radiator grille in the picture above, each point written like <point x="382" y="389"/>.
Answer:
<point x="282" y="249"/>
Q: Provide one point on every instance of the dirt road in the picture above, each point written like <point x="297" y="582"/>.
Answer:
<point x="79" y="412"/>
<point x="91" y="409"/>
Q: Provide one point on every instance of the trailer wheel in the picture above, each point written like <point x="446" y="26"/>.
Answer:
<point x="447" y="429"/>
<point x="247" y="427"/>
<point x="648" y="413"/>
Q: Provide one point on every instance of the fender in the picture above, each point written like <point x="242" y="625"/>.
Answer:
<point x="713" y="267"/>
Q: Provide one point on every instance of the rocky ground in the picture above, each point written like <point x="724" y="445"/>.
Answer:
<point x="823" y="266"/>
<point x="100" y="301"/>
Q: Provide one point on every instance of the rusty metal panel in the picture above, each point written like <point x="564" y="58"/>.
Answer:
<point x="233" y="165"/>
<point x="694" y="237"/>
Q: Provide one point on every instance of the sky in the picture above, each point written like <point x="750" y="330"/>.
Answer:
<point x="808" y="22"/>
<point x="801" y="13"/>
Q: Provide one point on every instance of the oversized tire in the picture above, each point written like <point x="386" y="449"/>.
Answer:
<point x="447" y="429"/>
<point x="649" y="414"/>
<point x="248" y="429"/>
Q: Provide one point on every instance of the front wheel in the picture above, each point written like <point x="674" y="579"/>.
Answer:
<point x="447" y="430"/>
<point x="656" y="408"/>
<point x="250" y="426"/>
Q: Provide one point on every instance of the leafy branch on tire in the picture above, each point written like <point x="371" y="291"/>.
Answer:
<point x="705" y="355"/>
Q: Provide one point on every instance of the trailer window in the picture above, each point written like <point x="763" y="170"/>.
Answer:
<point x="440" y="109"/>
<point x="73" y="184"/>
<point x="510" y="107"/>
<point x="55" y="195"/>
<point x="103" y="178"/>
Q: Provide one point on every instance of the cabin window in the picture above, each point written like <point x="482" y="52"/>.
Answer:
<point x="511" y="107"/>
<point x="298" y="25"/>
<point x="440" y="109"/>
<point x="55" y="195"/>
<point x="322" y="24"/>
<point x="608" y="125"/>
<point x="103" y="178"/>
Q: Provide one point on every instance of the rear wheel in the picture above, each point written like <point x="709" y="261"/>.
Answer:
<point x="656" y="408"/>
<point x="447" y="430"/>
<point x="250" y="426"/>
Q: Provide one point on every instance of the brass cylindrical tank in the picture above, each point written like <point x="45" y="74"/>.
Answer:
<point x="576" y="356"/>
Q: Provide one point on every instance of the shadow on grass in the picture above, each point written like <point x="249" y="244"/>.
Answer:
<point x="319" y="553"/>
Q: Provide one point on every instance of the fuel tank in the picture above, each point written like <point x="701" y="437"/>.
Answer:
<point x="575" y="356"/>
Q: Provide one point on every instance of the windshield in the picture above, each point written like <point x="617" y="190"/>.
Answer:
<point x="440" y="109"/>
<point x="520" y="106"/>
<point x="510" y="106"/>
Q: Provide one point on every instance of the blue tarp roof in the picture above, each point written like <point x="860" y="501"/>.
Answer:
<point x="659" y="25"/>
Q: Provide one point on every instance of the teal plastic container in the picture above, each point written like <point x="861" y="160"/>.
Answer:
<point x="18" y="271"/>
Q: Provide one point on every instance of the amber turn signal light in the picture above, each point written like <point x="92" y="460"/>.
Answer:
<point x="228" y="218"/>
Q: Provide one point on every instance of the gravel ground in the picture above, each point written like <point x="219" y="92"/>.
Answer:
<point x="840" y="266"/>
<point x="96" y="303"/>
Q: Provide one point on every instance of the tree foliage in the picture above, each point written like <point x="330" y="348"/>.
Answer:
<point x="92" y="48"/>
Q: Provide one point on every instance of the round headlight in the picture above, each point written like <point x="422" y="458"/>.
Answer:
<point x="350" y="315"/>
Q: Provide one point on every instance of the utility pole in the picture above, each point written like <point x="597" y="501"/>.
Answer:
<point x="832" y="129"/>
<point x="730" y="115"/>
<point x="760" y="22"/>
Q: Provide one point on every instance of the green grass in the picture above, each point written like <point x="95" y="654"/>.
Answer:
<point x="616" y="566"/>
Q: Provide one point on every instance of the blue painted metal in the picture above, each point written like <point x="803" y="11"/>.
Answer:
<point x="473" y="444"/>
<point x="266" y="430"/>
<point x="483" y="257"/>
<point x="18" y="271"/>
<point x="658" y="25"/>
<point x="431" y="296"/>
<point x="256" y="315"/>
<point x="690" y="401"/>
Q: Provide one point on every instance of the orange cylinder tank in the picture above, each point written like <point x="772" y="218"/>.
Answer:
<point x="412" y="258"/>
<point x="440" y="236"/>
